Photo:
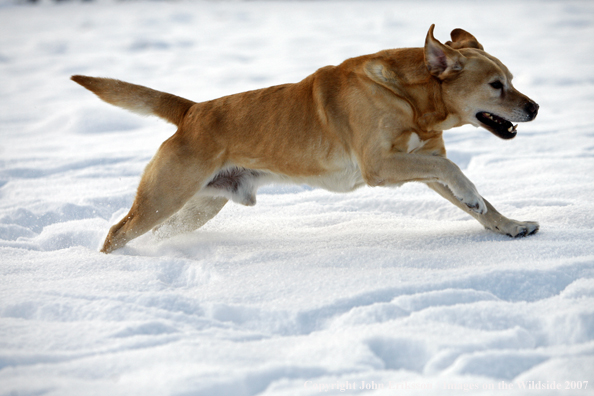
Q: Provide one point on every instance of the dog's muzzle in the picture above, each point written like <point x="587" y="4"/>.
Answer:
<point x="531" y="110"/>
<point x="502" y="127"/>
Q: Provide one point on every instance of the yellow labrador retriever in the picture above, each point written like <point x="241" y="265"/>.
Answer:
<point x="374" y="120"/>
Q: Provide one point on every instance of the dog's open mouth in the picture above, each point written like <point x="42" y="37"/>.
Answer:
<point x="497" y="125"/>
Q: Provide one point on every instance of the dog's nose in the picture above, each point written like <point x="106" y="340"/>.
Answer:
<point x="532" y="109"/>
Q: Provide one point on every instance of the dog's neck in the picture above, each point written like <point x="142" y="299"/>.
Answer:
<point x="412" y="82"/>
<point x="425" y="95"/>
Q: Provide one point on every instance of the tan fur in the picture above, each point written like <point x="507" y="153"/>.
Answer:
<point x="373" y="120"/>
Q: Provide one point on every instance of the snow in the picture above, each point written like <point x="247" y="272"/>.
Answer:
<point x="309" y="291"/>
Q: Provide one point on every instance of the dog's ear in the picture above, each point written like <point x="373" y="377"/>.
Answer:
<point x="442" y="61"/>
<point x="462" y="39"/>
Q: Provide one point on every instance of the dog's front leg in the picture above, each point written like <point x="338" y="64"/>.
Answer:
<point x="402" y="168"/>
<point x="492" y="220"/>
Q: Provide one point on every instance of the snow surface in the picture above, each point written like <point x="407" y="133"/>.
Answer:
<point x="309" y="291"/>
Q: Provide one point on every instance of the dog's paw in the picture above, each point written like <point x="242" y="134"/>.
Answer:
<point x="522" y="229"/>
<point x="517" y="229"/>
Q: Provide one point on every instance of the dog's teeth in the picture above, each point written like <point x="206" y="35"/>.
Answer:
<point x="511" y="128"/>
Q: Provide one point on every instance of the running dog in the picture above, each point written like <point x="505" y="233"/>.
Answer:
<point x="373" y="120"/>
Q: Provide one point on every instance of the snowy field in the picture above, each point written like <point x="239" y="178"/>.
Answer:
<point x="309" y="291"/>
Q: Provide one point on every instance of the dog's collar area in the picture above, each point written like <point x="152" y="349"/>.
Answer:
<point x="499" y="126"/>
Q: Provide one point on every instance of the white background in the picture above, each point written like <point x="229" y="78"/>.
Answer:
<point x="382" y="285"/>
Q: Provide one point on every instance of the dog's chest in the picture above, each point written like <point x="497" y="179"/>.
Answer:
<point x="414" y="143"/>
<point x="419" y="143"/>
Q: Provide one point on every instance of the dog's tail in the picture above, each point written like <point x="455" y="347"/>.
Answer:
<point x="137" y="98"/>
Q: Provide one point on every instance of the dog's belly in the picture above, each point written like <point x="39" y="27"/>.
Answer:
<point x="240" y="184"/>
<point x="347" y="179"/>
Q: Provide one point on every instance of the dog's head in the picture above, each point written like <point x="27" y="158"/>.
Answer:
<point x="477" y="86"/>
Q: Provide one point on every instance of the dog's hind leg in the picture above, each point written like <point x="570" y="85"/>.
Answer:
<point x="493" y="220"/>
<point x="195" y="213"/>
<point x="171" y="178"/>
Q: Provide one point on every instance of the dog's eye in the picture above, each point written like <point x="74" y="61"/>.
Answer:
<point x="496" y="84"/>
